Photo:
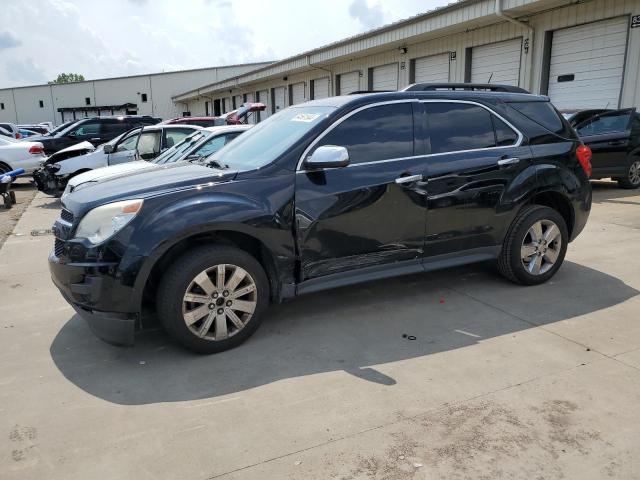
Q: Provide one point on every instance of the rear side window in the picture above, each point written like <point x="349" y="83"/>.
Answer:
<point x="541" y="113"/>
<point x="175" y="136"/>
<point x="377" y="133"/>
<point x="114" y="127"/>
<point x="505" y="135"/>
<point x="458" y="126"/>
<point x="605" y="123"/>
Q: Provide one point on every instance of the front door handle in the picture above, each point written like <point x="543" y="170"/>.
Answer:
<point x="616" y="142"/>
<point x="508" y="161"/>
<point x="96" y="138"/>
<point x="408" y="179"/>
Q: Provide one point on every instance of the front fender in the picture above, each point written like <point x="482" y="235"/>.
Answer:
<point x="168" y="220"/>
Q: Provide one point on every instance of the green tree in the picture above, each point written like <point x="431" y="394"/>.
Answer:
<point x="68" y="78"/>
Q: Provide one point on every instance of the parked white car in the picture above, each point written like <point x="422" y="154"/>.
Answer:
<point x="11" y="128"/>
<point x="142" y="142"/>
<point x="16" y="154"/>
<point x="195" y="147"/>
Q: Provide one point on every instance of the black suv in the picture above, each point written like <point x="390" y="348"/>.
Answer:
<point x="324" y="194"/>
<point x="95" y="130"/>
<point x="614" y="138"/>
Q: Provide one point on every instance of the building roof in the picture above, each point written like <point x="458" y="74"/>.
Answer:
<point x="257" y="64"/>
<point x="456" y="16"/>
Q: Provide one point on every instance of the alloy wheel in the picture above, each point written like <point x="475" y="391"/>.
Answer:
<point x="634" y="173"/>
<point x="219" y="302"/>
<point x="541" y="247"/>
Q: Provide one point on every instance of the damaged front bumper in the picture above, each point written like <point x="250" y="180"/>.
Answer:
<point x="48" y="182"/>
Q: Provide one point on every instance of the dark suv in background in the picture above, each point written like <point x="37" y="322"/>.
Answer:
<point x="614" y="138"/>
<point x="325" y="194"/>
<point x="95" y="130"/>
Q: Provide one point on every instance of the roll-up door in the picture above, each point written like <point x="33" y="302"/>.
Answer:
<point x="320" y="88"/>
<point x="278" y="99"/>
<point x="263" y="96"/>
<point x="497" y="62"/>
<point x="297" y="93"/>
<point x="384" y="77"/>
<point x="349" y="82"/>
<point x="432" y="69"/>
<point x="587" y="65"/>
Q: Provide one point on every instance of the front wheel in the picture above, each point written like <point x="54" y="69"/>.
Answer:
<point x="212" y="299"/>
<point x="535" y="246"/>
<point x="632" y="177"/>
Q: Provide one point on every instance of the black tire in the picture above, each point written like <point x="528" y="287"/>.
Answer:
<point x="4" y="168"/>
<point x="632" y="175"/>
<point x="7" y="201"/>
<point x="510" y="263"/>
<point x="179" y="276"/>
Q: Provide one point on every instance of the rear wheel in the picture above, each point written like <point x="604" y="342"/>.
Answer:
<point x="4" y="168"/>
<point x="632" y="177"/>
<point x="535" y="246"/>
<point x="212" y="299"/>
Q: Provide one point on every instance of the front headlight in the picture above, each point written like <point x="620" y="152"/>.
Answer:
<point x="104" y="221"/>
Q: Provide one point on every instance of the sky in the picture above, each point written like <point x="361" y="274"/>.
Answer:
<point x="99" y="39"/>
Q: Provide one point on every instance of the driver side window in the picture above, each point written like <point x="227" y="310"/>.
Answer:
<point x="128" y="143"/>
<point x="607" y="123"/>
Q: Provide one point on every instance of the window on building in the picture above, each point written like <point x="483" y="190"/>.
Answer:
<point x="143" y="97"/>
<point x="41" y="102"/>
<point x="376" y="133"/>
<point x="1" y="106"/>
<point x="87" y="101"/>
<point x="455" y="126"/>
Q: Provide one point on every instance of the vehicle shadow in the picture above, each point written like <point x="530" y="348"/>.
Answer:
<point x="346" y="329"/>
<point x="607" y="191"/>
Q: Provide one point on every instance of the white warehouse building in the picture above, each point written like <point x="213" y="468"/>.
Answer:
<point x="581" y="53"/>
<point x="138" y="94"/>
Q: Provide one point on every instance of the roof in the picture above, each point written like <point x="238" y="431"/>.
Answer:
<point x="337" y="102"/>
<point x="143" y="75"/>
<point x="228" y="128"/>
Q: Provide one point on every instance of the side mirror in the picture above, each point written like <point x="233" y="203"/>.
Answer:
<point x="108" y="148"/>
<point x="327" y="156"/>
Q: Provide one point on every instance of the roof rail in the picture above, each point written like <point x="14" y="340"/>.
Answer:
<point x="491" y="87"/>
<point x="358" y="92"/>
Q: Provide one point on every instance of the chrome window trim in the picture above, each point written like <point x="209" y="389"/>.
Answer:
<point x="518" y="142"/>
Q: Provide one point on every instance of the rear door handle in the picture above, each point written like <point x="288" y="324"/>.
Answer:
<point x="408" y="179"/>
<point x="616" y="142"/>
<point x="96" y="138"/>
<point x="508" y="161"/>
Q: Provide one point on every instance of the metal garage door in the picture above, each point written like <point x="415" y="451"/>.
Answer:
<point x="297" y="93"/>
<point x="320" y="88"/>
<point x="278" y="99"/>
<point x="587" y="64"/>
<point x="264" y="97"/>
<point x="349" y="82"/>
<point x="433" y="69"/>
<point x="384" y="77"/>
<point x="497" y="62"/>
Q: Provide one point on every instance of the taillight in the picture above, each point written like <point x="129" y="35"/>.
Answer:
<point x="36" y="150"/>
<point x="584" y="157"/>
<point x="18" y="136"/>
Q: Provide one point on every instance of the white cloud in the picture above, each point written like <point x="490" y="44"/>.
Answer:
<point x="126" y="37"/>
<point x="368" y="16"/>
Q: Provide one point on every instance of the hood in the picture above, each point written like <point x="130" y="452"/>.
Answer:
<point x="72" y="151"/>
<point x="113" y="171"/>
<point x="144" y="183"/>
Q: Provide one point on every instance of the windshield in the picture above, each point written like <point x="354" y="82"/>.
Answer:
<point x="176" y="152"/>
<point x="269" y="139"/>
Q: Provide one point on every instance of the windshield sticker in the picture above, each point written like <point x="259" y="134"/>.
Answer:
<point x="305" y="117"/>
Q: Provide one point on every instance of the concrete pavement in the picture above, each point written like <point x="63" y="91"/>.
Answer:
<point x="501" y="381"/>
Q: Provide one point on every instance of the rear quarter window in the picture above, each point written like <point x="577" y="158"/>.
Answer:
<point x="544" y="114"/>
